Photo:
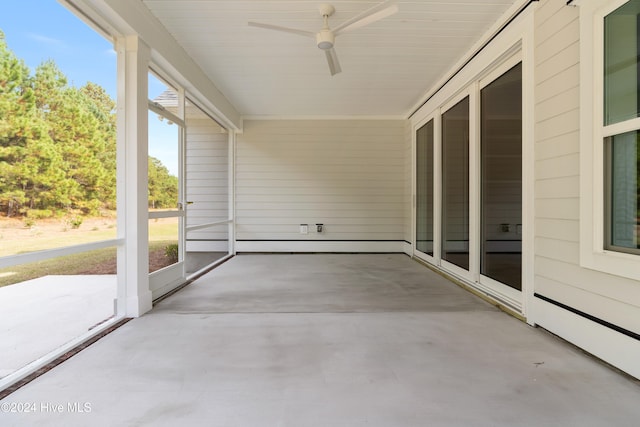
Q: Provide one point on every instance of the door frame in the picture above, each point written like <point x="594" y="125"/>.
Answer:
<point x="169" y="278"/>
<point x="514" y="41"/>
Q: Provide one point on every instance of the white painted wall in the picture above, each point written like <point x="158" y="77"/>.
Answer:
<point x="207" y="172"/>
<point x="349" y="175"/>
<point x="558" y="274"/>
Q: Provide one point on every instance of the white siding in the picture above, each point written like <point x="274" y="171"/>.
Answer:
<point x="349" y="175"/>
<point x="207" y="160"/>
<point x="558" y="274"/>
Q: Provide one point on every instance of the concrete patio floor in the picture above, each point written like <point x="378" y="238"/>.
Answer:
<point x="326" y="340"/>
<point x="40" y="315"/>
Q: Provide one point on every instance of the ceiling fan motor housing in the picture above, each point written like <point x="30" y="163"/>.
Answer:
<point x="325" y="39"/>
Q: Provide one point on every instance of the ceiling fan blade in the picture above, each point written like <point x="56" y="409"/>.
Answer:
<point x="283" y="29"/>
<point x="369" y="16"/>
<point x="332" y="60"/>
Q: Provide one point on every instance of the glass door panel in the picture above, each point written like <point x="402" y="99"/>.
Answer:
<point x="501" y="179"/>
<point x="455" y="184"/>
<point x="424" y="189"/>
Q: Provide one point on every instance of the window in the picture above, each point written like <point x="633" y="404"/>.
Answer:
<point x="622" y="190"/>
<point x="622" y="107"/>
<point x="609" y="141"/>
<point x="621" y="64"/>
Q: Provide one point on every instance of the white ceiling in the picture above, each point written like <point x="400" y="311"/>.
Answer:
<point x="387" y="67"/>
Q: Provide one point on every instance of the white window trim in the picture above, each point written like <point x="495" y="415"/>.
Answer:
<point x="592" y="134"/>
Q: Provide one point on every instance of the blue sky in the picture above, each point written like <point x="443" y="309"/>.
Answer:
<point x="39" y="30"/>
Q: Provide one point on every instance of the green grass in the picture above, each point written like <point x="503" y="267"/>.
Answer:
<point x="161" y="235"/>
<point x="162" y="231"/>
<point x="71" y="264"/>
<point x="41" y="240"/>
<point x="67" y="265"/>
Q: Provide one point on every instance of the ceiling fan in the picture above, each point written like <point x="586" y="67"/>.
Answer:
<point x="326" y="37"/>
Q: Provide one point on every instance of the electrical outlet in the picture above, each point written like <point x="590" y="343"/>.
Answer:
<point x="304" y="229"/>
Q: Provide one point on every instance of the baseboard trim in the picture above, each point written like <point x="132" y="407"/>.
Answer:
<point x="347" y="246"/>
<point x="615" y="348"/>
<point x="595" y="319"/>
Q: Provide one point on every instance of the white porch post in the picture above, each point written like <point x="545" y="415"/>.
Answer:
<point x="134" y="296"/>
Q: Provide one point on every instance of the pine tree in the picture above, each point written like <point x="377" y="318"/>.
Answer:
<point x="17" y="117"/>
<point x="163" y="187"/>
<point x="58" y="144"/>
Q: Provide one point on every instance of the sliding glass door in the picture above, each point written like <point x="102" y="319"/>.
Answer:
<point x="424" y="189"/>
<point x="455" y="184"/>
<point x="501" y="179"/>
<point x="469" y="184"/>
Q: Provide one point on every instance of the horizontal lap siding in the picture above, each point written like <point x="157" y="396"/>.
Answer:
<point x="207" y="171"/>
<point x="558" y="274"/>
<point x="349" y="175"/>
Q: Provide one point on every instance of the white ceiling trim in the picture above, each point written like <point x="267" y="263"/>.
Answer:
<point x="321" y="117"/>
